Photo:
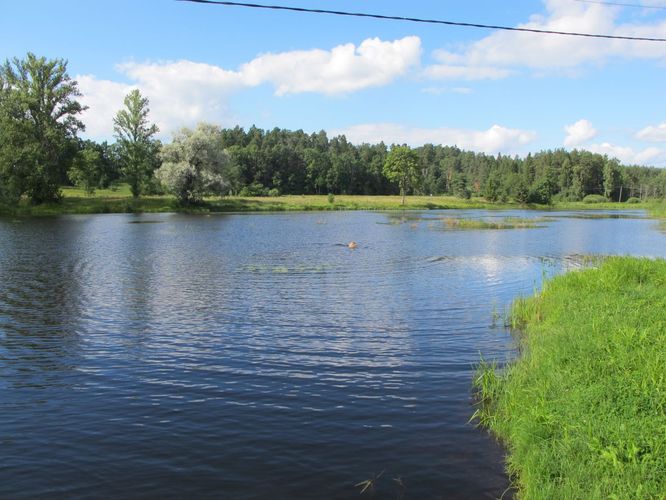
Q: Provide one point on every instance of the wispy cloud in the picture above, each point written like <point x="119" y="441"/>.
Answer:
<point x="496" y="139"/>
<point x="653" y="133"/>
<point x="630" y="156"/>
<point x="504" y="53"/>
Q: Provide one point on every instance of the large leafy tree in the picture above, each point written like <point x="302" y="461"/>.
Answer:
<point x="38" y="127"/>
<point x="195" y="165"/>
<point x="402" y="166"/>
<point x="135" y="136"/>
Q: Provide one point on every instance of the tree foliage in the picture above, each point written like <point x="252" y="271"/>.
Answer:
<point x="86" y="170"/>
<point x="38" y="127"/>
<point x="195" y="165"/>
<point x="402" y="166"/>
<point x="137" y="147"/>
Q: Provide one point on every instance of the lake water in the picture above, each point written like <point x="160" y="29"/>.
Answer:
<point x="256" y="356"/>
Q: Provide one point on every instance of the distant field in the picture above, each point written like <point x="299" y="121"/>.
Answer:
<point x="119" y="200"/>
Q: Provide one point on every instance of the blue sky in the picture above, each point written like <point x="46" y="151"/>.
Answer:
<point x="371" y="80"/>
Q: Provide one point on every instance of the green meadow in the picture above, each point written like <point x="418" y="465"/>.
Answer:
<point x="120" y="200"/>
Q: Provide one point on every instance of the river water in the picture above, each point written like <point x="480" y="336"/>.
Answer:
<point x="256" y="356"/>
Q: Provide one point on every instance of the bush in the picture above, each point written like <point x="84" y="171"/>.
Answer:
<point x="633" y="199"/>
<point x="595" y="198"/>
<point x="564" y="196"/>
<point x="152" y="187"/>
<point x="275" y="192"/>
<point x="464" y="192"/>
<point x="540" y="193"/>
<point x="331" y="198"/>
<point x="254" y="189"/>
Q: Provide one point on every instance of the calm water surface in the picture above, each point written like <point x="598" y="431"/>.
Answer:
<point x="245" y="356"/>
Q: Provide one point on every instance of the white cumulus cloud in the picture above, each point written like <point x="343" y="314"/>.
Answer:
<point x="496" y="139"/>
<point x="182" y="93"/>
<point x="345" y="68"/>
<point x="579" y="133"/>
<point x="503" y="52"/>
<point x="103" y="98"/>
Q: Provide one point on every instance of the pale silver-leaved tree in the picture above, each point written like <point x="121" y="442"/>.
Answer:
<point x="195" y="165"/>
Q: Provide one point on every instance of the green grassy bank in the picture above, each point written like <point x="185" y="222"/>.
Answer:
<point x="75" y="201"/>
<point x="582" y="411"/>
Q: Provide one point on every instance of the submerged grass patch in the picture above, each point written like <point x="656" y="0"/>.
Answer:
<point x="583" y="410"/>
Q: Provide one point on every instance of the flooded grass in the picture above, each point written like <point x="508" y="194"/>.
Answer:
<point x="503" y="223"/>
<point x="583" y="410"/>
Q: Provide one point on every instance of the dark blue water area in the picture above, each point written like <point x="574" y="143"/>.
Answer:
<point x="257" y="356"/>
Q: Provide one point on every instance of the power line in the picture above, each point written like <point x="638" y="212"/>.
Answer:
<point x="419" y="20"/>
<point x="623" y="4"/>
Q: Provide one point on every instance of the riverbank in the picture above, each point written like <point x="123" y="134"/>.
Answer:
<point x="583" y="410"/>
<point x="75" y="201"/>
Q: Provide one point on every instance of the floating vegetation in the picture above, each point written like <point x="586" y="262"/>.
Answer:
<point x="503" y="223"/>
<point x="390" y="487"/>
<point x="272" y="269"/>
<point x="368" y="486"/>
<point x="145" y="222"/>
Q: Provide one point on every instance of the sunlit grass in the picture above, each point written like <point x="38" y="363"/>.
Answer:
<point x="583" y="409"/>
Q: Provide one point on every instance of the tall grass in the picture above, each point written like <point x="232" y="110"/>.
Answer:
<point x="583" y="409"/>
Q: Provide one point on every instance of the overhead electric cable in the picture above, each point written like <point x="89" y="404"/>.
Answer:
<point x="636" y="5"/>
<point x="419" y="20"/>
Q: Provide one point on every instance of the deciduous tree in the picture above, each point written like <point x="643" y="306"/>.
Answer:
<point x="135" y="135"/>
<point x="195" y="165"/>
<point x="402" y="166"/>
<point x="38" y="126"/>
